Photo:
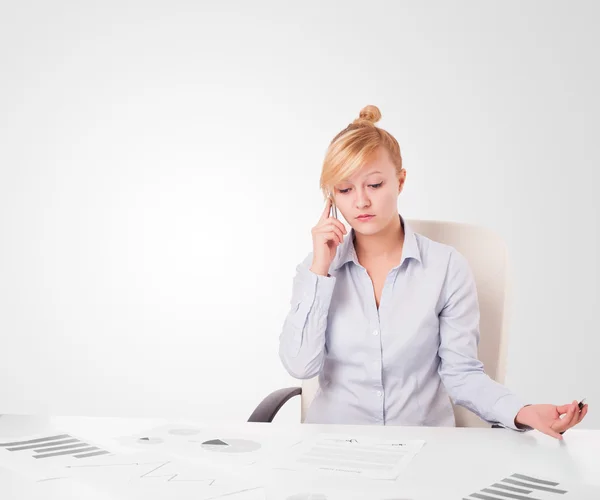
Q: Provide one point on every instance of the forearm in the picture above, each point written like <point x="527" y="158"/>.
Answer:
<point x="473" y="389"/>
<point x="302" y="340"/>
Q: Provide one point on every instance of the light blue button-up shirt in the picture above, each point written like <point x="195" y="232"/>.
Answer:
<point x="396" y="365"/>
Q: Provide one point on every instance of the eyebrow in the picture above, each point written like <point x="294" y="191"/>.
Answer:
<point x="370" y="173"/>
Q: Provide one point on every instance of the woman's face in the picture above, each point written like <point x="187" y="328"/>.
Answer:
<point x="368" y="200"/>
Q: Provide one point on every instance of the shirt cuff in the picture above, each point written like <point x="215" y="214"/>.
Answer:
<point x="506" y="409"/>
<point x="318" y="288"/>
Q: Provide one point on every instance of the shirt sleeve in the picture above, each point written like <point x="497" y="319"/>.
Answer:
<point x="302" y="340"/>
<point x="460" y="369"/>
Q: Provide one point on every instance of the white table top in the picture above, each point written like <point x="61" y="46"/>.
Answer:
<point x="449" y="461"/>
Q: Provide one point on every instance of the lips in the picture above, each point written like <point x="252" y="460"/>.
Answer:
<point x="365" y="217"/>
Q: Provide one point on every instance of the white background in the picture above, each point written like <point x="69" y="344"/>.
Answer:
<point x="159" y="166"/>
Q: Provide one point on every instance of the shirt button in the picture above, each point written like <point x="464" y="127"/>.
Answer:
<point x="379" y="393"/>
<point x="375" y="332"/>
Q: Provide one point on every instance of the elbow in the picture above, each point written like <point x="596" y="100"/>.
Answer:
<point x="302" y="367"/>
<point x="460" y="383"/>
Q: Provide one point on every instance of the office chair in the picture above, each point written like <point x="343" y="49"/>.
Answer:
<point x="486" y="253"/>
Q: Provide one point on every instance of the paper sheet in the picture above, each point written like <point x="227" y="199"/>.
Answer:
<point x="149" y="473"/>
<point x="43" y="456"/>
<point x="221" y="447"/>
<point x="357" y="456"/>
<point x="145" y="475"/>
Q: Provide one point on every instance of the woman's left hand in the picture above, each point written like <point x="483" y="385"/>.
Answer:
<point x="547" y="418"/>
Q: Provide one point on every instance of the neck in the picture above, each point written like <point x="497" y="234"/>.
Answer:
<point x="386" y="243"/>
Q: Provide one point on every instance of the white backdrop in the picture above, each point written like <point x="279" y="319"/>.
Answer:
<point x="159" y="166"/>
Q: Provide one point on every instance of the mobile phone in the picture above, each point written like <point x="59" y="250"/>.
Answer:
<point x="333" y="212"/>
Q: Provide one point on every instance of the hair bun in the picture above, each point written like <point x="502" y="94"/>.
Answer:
<point x="369" y="113"/>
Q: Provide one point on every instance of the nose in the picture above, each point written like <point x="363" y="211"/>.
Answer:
<point x="362" y="200"/>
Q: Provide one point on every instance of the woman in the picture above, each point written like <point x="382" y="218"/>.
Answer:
<point x="387" y="318"/>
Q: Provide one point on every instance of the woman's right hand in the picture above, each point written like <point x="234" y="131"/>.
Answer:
<point x="327" y="235"/>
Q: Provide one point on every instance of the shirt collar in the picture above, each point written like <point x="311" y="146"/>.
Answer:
<point x="347" y="253"/>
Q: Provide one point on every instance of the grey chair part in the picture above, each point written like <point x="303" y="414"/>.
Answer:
<point x="269" y="406"/>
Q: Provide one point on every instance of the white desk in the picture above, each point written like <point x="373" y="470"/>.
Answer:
<point x="450" y="459"/>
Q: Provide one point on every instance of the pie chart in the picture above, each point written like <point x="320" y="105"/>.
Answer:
<point x="230" y="445"/>
<point x="150" y="440"/>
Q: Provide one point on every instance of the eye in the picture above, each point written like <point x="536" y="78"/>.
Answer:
<point x="344" y="191"/>
<point x="375" y="186"/>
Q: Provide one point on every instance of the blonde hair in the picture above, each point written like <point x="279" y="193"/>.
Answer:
<point x="353" y="146"/>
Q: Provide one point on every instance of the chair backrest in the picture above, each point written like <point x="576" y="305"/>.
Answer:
<point x="486" y="253"/>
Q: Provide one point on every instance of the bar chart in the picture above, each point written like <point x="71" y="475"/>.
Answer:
<point x="55" y="446"/>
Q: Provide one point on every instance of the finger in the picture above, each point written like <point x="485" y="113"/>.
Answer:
<point x="576" y="413"/>
<point x="327" y="236"/>
<point x="584" y="411"/>
<point x="340" y="224"/>
<point x="331" y="228"/>
<point x="564" y="408"/>
<point x="564" y="423"/>
<point x="335" y="222"/>
<point x="576" y="416"/>
<point x="550" y="432"/>
<point x="338" y="234"/>
<point x="580" y="414"/>
<point x="325" y="214"/>
<point x="332" y="236"/>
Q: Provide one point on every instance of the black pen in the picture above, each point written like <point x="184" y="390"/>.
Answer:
<point x="580" y="405"/>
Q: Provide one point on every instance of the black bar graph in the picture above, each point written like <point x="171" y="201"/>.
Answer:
<point x="518" y="487"/>
<point x="55" y="446"/>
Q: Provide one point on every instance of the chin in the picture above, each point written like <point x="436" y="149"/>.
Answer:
<point x="367" y="229"/>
